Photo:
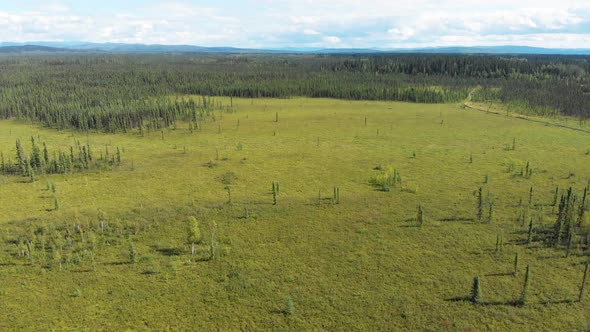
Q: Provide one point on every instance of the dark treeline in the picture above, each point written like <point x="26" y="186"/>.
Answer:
<point x="539" y="84"/>
<point x="121" y="92"/>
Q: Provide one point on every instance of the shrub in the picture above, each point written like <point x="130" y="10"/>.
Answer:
<point x="387" y="178"/>
<point x="193" y="233"/>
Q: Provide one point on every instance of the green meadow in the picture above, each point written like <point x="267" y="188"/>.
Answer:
<point x="337" y="245"/>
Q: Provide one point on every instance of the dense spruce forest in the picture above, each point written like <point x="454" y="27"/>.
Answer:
<point x="113" y="93"/>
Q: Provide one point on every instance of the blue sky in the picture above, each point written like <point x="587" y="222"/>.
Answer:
<point x="302" y="23"/>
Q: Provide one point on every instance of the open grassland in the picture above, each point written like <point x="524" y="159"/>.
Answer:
<point x="305" y="263"/>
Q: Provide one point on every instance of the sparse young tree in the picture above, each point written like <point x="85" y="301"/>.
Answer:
<point x="570" y="240"/>
<point x="530" y="233"/>
<point x="290" y="309"/>
<point x="420" y="216"/>
<point x="213" y="241"/>
<point x="132" y="252"/>
<point x="193" y="233"/>
<point x="525" y="288"/>
<point x="480" y="204"/>
<point x="555" y="196"/>
<point x="476" y="293"/>
<point x="275" y="192"/>
<point x="499" y="243"/>
<point x="55" y="201"/>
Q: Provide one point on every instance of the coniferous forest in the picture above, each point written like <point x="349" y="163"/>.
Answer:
<point x="118" y="92"/>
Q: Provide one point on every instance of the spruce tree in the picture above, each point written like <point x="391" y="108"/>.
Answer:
<point x="525" y="288"/>
<point x="513" y="144"/>
<point x="555" y="197"/>
<point x="3" y="166"/>
<point x="228" y="189"/>
<point x="20" y="158"/>
<point x="45" y="153"/>
<point x="35" y="155"/>
<point x="213" y="241"/>
<point x="570" y="239"/>
<point x="530" y="233"/>
<point x="334" y="196"/>
<point x="581" y="294"/>
<point x="55" y="202"/>
<point x="480" y="204"/>
<point x="32" y="175"/>
<point x="476" y="293"/>
<point x="132" y="252"/>
<point x="491" y="213"/>
<point x="498" y="243"/>
<point x="558" y="227"/>
<point x="420" y="216"/>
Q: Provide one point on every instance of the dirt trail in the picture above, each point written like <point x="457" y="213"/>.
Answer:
<point x="469" y="105"/>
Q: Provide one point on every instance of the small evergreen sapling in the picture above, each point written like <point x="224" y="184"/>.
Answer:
<point x="228" y="188"/>
<point x="213" y="241"/>
<point x="570" y="240"/>
<point x="480" y="204"/>
<point x="420" y="216"/>
<point x="525" y="288"/>
<point x="513" y="144"/>
<point x="476" y="293"/>
<point x="275" y="192"/>
<point x="529" y="239"/>
<point x="132" y="252"/>
<point x="55" y="201"/>
<point x="499" y="243"/>
<point x="336" y="198"/>
<point x="290" y="309"/>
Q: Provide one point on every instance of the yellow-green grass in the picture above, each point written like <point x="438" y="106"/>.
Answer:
<point x="360" y="265"/>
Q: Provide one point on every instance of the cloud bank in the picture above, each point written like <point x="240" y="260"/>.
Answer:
<point x="304" y="23"/>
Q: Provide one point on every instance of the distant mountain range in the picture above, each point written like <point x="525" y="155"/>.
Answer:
<point x="53" y="47"/>
<point x="30" y="48"/>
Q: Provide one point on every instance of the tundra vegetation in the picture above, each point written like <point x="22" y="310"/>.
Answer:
<point x="168" y="192"/>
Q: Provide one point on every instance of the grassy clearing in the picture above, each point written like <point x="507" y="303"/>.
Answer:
<point x="304" y="263"/>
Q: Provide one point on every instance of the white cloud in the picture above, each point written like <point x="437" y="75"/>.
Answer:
<point x="310" y="32"/>
<point x="332" y="40"/>
<point x="401" y="33"/>
<point x="330" y="23"/>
